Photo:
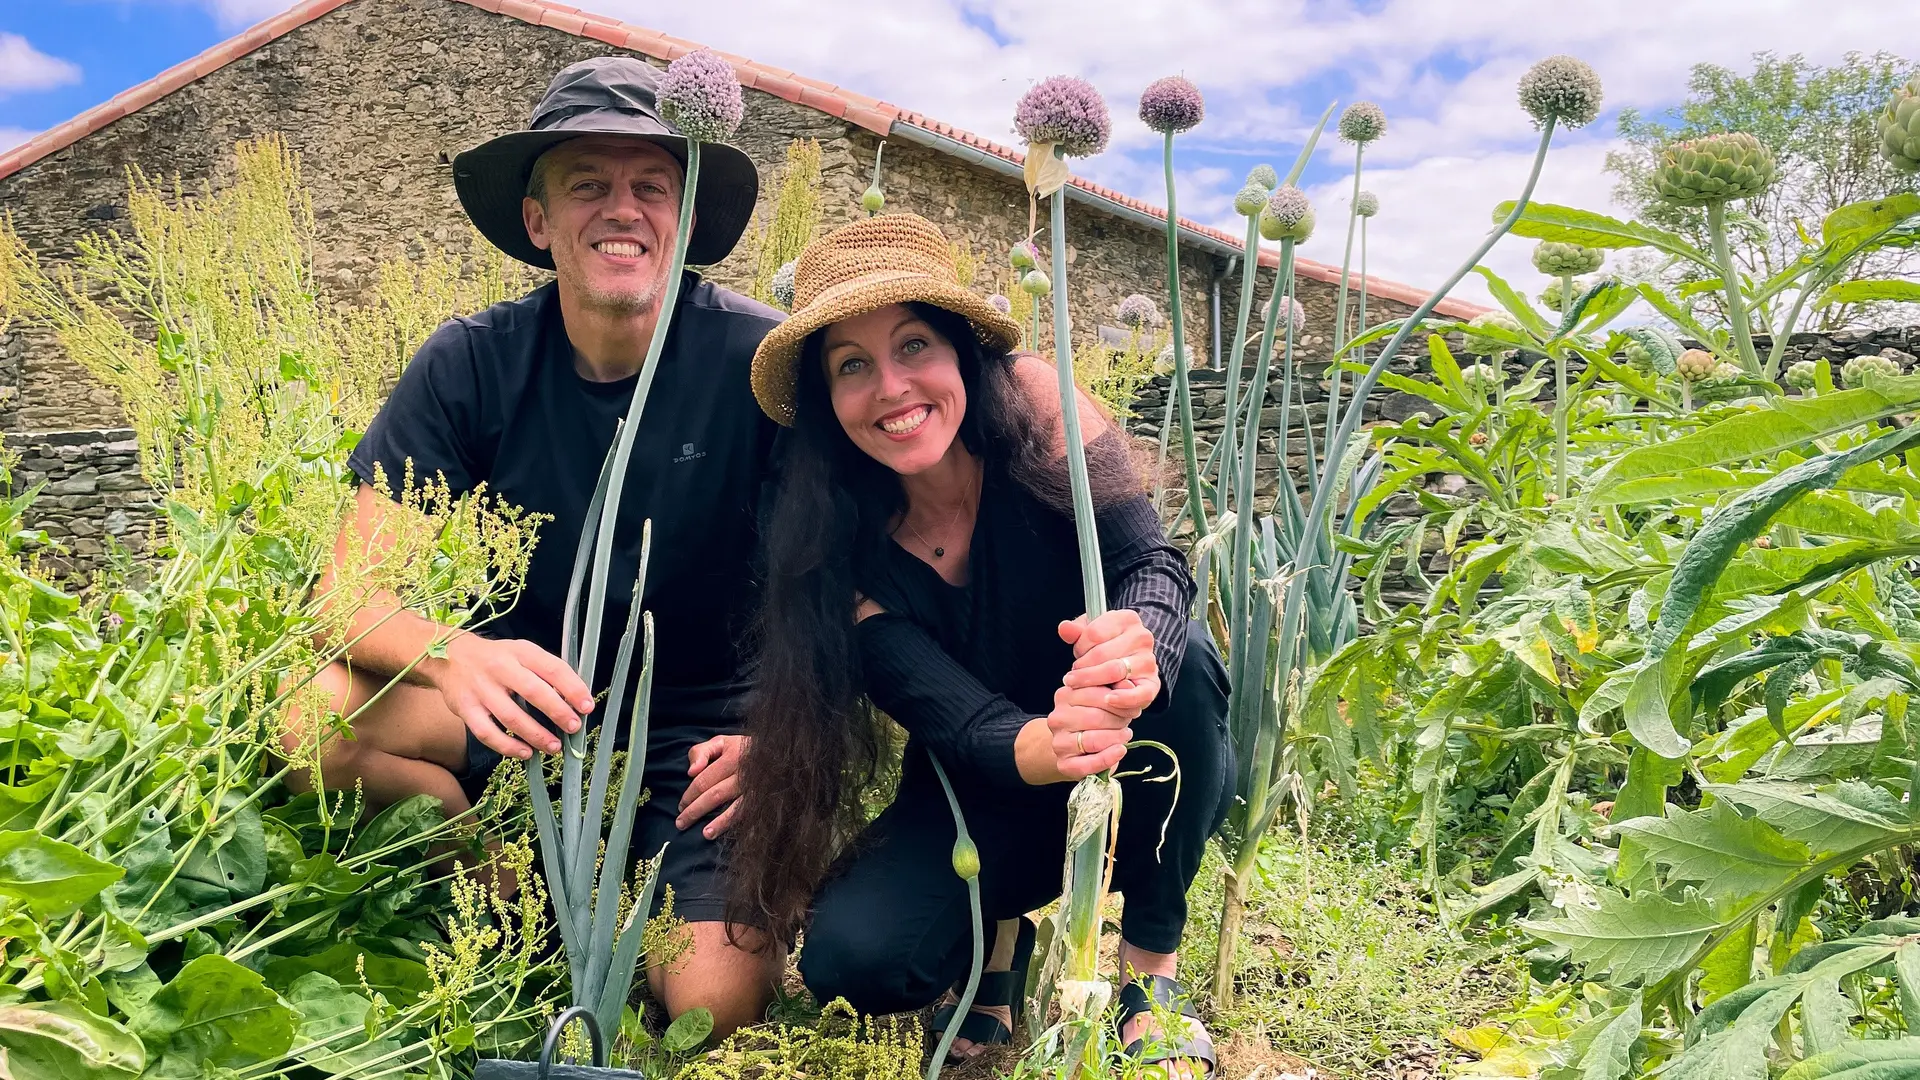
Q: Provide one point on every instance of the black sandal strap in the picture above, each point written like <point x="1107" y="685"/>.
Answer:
<point x="1138" y="1000"/>
<point x="997" y="988"/>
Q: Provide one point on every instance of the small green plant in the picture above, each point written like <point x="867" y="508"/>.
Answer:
<point x="794" y="218"/>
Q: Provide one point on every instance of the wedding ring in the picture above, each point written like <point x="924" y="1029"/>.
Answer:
<point x="1080" y="742"/>
<point x="1126" y="665"/>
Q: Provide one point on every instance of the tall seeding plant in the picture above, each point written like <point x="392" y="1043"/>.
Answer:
<point x="700" y="96"/>
<point x="1063" y="117"/>
<point x="1287" y="550"/>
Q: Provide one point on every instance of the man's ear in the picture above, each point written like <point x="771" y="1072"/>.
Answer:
<point x="534" y="216"/>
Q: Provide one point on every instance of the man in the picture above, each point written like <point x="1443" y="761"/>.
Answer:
<point x="524" y="398"/>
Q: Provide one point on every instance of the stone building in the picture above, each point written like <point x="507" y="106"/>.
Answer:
<point x="378" y="95"/>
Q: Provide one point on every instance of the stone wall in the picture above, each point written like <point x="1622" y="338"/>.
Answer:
<point x="91" y="491"/>
<point x="378" y="95"/>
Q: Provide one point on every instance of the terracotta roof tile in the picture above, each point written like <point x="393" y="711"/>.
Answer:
<point x="870" y="113"/>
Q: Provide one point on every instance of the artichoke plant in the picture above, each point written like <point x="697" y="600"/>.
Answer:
<point x="1695" y="365"/>
<point x="1485" y="345"/>
<point x="1708" y="172"/>
<point x="1802" y="374"/>
<point x="1898" y="126"/>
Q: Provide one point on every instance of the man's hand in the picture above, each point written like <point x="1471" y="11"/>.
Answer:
<point x="479" y="676"/>
<point x="715" y="768"/>
<point x="1114" y="650"/>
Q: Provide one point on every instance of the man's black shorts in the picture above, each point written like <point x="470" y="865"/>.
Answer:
<point x="694" y="865"/>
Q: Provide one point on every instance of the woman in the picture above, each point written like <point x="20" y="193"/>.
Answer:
<point x="922" y="557"/>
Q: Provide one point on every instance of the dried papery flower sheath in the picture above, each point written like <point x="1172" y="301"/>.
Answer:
<point x="700" y="97"/>
<point x="1066" y="112"/>
<point x="1288" y="214"/>
<point x="1171" y="105"/>
<point x="1563" y="89"/>
<point x="1363" y="122"/>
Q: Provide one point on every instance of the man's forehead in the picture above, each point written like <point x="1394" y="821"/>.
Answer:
<point x="596" y="152"/>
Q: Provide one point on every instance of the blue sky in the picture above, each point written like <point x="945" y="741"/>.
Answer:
<point x="1444" y="70"/>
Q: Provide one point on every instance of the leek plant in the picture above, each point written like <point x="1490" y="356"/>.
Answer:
<point x="701" y="97"/>
<point x="1362" y="123"/>
<point x="1061" y="117"/>
<point x="1297" y="556"/>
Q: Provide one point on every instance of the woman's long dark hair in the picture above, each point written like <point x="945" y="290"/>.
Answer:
<point x="815" y="740"/>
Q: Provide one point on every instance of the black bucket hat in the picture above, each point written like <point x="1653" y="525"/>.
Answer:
<point x="607" y="95"/>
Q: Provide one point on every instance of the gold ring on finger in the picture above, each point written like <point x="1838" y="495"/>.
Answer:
<point x="1126" y="665"/>
<point x="1080" y="742"/>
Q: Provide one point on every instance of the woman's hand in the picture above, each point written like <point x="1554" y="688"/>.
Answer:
<point x="1113" y="652"/>
<point x="715" y="768"/>
<point x="1085" y="738"/>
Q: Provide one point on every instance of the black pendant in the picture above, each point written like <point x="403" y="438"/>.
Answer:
<point x="939" y="553"/>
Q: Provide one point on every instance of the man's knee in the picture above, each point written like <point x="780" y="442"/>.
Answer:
<point x="309" y="732"/>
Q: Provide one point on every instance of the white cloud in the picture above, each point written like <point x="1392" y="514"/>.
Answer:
<point x="11" y="137"/>
<point x="23" y="67"/>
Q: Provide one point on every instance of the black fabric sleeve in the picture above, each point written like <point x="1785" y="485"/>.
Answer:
<point x="1147" y="575"/>
<point x="912" y="679"/>
<point x="430" y="420"/>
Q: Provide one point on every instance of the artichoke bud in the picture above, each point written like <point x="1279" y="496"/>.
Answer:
<point x="1714" y="169"/>
<point x="873" y="199"/>
<point x="1801" y="374"/>
<point x="1695" y="365"/>
<point x="1898" y="126"/>
<point x="1639" y="357"/>
<point x="1484" y="345"/>
<point x="1036" y="283"/>
<point x="1558" y="259"/>
<point x="1862" y="369"/>
<point x="966" y="859"/>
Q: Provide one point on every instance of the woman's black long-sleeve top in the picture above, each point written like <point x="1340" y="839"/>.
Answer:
<point x="964" y="668"/>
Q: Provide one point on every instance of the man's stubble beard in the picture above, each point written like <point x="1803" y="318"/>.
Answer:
<point x="623" y="304"/>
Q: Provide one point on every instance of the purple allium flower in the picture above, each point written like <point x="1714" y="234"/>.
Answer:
<point x="1171" y="105"/>
<point x="1367" y="205"/>
<point x="1264" y="176"/>
<point x="1066" y="112"/>
<point x="1000" y="304"/>
<point x="1296" y="312"/>
<point x="1363" y="122"/>
<point x="700" y="96"/>
<point x="1287" y="215"/>
<point x="1137" y="311"/>
<point x="1563" y="89"/>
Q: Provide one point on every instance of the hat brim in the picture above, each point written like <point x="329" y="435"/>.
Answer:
<point x="775" y="374"/>
<point x="491" y="180"/>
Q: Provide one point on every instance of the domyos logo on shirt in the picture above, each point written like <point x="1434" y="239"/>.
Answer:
<point x="688" y="453"/>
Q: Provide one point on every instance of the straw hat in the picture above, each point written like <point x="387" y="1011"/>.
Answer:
<point x="858" y="268"/>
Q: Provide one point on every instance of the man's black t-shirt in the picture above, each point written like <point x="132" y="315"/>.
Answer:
<point x="495" y="398"/>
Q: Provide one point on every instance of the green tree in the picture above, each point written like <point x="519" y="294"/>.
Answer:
<point x="1818" y="121"/>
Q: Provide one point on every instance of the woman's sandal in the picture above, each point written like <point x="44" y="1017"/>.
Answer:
<point x="997" y="988"/>
<point x="1138" y="1000"/>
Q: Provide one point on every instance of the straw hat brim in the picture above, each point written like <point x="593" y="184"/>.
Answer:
<point x="775" y="374"/>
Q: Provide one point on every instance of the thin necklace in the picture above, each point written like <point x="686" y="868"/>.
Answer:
<point x="940" y="552"/>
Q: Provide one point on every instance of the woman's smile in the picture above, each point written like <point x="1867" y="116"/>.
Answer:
<point x="901" y="424"/>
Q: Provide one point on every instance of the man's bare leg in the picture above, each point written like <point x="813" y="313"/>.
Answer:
<point x="730" y="981"/>
<point x="404" y="744"/>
